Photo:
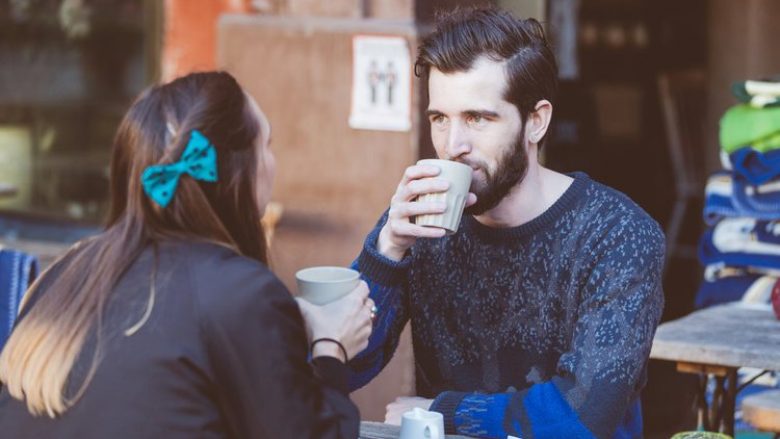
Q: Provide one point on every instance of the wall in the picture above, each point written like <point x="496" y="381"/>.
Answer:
<point x="189" y="34"/>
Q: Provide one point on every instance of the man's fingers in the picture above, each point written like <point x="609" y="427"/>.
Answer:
<point x="408" y="229"/>
<point x="471" y="199"/>
<point x="415" y="172"/>
<point x="416" y="208"/>
<point x="417" y="188"/>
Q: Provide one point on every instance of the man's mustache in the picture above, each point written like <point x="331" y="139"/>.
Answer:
<point x="473" y="164"/>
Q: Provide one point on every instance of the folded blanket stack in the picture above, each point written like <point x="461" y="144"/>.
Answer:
<point x="740" y="249"/>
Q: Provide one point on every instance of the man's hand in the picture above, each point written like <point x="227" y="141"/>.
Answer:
<point x="399" y="233"/>
<point x="402" y="405"/>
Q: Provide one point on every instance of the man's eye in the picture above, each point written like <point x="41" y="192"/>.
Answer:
<point x="477" y="119"/>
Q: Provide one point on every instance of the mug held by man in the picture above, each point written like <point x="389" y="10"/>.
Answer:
<point x="459" y="177"/>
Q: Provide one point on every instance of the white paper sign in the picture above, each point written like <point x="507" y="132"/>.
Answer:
<point x="381" y="84"/>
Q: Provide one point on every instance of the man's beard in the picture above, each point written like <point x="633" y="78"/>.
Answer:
<point x="510" y="171"/>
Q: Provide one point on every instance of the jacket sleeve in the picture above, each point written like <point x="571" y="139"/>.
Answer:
<point x="257" y="351"/>
<point x="598" y="381"/>
<point x="387" y="280"/>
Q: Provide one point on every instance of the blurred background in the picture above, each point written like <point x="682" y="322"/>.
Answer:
<point x="643" y="85"/>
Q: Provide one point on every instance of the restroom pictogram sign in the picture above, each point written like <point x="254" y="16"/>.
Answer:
<point x="381" y="83"/>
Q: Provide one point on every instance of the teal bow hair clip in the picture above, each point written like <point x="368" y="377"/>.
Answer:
<point x="199" y="161"/>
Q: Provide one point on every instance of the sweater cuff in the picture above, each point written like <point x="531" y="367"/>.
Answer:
<point x="379" y="268"/>
<point x="447" y="404"/>
<point x="332" y="372"/>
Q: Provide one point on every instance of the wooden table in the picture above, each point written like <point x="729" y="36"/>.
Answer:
<point x="714" y="343"/>
<point x="378" y="430"/>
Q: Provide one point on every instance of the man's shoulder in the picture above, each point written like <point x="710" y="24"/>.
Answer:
<point x="610" y="212"/>
<point x="614" y="205"/>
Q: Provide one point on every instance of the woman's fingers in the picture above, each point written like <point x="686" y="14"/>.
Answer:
<point x="303" y="305"/>
<point x="361" y="291"/>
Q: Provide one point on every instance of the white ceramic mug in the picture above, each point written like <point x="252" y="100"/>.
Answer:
<point x="422" y="424"/>
<point x="459" y="176"/>
<point x="321" y="285"/>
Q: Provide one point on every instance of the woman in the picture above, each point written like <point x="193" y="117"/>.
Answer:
<point x="169" y="324"/>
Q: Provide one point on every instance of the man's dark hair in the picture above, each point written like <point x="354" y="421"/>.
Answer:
<point x="465" y="34"/>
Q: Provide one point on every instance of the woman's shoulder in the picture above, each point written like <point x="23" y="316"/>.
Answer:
<point x="210" y="256"/>
<point x="226" y="283"/>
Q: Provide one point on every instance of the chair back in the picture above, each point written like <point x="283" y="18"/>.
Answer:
<point x="18" y="271"/>
<point x="683" y="105"/>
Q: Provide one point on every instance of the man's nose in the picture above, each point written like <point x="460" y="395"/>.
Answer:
<point x="458" y="142"/>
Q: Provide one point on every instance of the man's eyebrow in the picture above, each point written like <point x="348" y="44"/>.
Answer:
<point x="484" y="113"/>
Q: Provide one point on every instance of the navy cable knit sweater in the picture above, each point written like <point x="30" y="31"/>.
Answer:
<point x="541" y="330"/>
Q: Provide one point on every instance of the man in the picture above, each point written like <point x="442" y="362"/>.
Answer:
<point x="536" y="318"/>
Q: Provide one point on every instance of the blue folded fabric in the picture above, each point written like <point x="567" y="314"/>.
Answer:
<point x="760" y="201"/>
<point x="717" y="199"/>
<point x="729" y="195"/>
<point x="742" y="243"/>
<point x="17" y="272"/>
<point x="753" y="288"/>
<point x="754" y="166"/>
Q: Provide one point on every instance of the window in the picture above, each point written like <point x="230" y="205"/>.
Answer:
<point x="68" y="71"/>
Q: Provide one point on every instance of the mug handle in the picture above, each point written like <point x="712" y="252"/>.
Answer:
<point x="432" y="432"/>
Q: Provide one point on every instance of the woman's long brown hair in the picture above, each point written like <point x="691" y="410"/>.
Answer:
<point x="39" y="356"/>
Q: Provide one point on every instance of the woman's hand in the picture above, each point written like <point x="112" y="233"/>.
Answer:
<point x="347" y="320"/>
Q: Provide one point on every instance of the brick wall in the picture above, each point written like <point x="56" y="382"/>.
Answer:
<point x="190" y="34"/>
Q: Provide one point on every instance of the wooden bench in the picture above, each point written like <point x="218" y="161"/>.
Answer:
<point x="762" y="410"/>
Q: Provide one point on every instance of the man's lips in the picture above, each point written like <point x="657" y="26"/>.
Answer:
<point x="472" y="166"/>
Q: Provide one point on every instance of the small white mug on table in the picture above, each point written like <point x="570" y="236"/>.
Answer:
<point x="422" y="424"/>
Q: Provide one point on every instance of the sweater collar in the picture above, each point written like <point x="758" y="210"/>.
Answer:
<point x="563" y="204"/>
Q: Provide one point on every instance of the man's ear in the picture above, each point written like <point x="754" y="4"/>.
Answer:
<point x="538" y="121"/>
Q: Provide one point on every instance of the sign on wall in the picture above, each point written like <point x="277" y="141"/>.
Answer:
<point x="381" y="84"/>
